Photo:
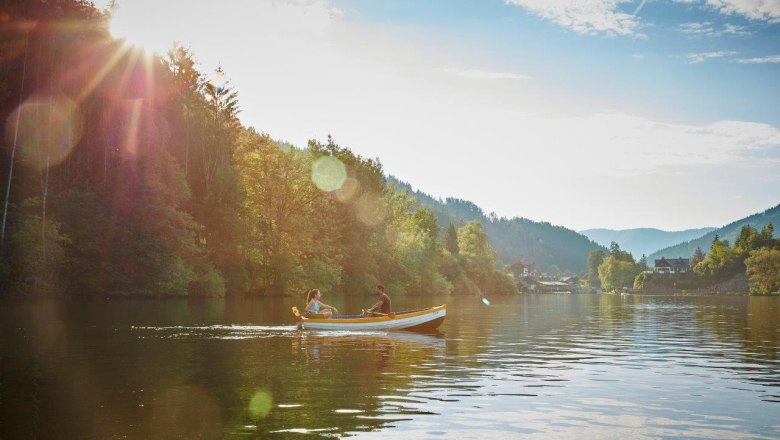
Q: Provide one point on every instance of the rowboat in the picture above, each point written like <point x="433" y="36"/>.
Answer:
<point x="420" y="319"/>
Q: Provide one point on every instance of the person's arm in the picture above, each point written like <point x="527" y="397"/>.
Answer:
<point x="374" y="307"/>
<point x="322" y="304"/>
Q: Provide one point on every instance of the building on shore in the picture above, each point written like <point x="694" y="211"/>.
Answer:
<point x="672" y="265"/>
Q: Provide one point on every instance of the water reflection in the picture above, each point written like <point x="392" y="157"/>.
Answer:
<point x="531" y="366"/>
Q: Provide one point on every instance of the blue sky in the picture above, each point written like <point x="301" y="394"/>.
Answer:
<point x="589" y="113"/>
<point x="686" y="59"/>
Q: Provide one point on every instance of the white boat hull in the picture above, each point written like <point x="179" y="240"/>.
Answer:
<point x="422" y="319"/>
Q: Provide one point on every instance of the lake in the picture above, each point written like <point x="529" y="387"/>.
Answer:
<point x="532" y="366"/>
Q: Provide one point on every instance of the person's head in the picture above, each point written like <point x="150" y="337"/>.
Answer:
<point x="380" y="289"/>
<point x="313" y="294"/>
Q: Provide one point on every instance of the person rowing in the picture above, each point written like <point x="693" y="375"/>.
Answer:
<point x="383" y="306"/>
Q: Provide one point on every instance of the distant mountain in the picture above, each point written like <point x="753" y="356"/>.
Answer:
<point x="516" y="239"/>
<point x="729" y="232"/>
<point x="643" y="241"/>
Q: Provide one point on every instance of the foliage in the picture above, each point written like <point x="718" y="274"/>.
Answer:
<point x="724" y="261"/>
<point x="615" y="273"/>
<point x="38" y="254"/>
<point x="697" y="257"/>
<point x="763" y="270"/>
<point x="451" y="240"/>
<point x="479" y="261"/>
<point x="594" y="261"/>
<point x="515" y="239"/>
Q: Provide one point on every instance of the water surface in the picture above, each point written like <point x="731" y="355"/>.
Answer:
<point x="538" y="366"/>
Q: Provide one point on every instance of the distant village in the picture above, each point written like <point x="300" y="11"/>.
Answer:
<point x="530" y="280"/>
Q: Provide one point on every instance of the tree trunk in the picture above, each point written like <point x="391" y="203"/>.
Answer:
<point x="13" y="148"/>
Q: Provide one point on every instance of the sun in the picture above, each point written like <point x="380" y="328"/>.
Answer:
<point x="132" y="23"/>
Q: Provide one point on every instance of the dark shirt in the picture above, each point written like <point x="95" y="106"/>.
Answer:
<point x="386" y="306"/>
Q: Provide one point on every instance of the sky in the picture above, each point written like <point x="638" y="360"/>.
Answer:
<point x="582" y="113"/>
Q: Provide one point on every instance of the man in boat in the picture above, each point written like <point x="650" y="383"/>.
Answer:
<point x="383" y="306"/>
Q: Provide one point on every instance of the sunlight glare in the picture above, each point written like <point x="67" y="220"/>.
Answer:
<point x="131" y="25"/>
<point x="347" y="190"/>
<point x="49" y="128"/>
<point x="328" y="173"/>
<point x="370" y="209"/>
<point x="260" y="404"/>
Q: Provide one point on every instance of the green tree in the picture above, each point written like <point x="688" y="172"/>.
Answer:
<point x="479" y="261"/>
<point x="31" y="272"/>
<point x="619" y="254"/>
<point x="641" y="266"/>
<point x="763" y="271"/>
<point x="722" y="260"/>
<point x="289" y="243"/>
<point x="595" y="259"/>
<point x="615" y="273"/>
<point x="451" y="240"/>
<point x="697" y="257"/>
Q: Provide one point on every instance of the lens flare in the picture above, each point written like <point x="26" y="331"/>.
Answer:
<point x="49" y="128"/>
<point x="218" y="79"/>
<point x="370" y="209"/>
<point x="348" y="190"/>
<point x="328" y="173"/>
<point x="260" y="404"/>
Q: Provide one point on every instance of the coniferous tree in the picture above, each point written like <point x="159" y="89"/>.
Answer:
<point x="451" y="240"/>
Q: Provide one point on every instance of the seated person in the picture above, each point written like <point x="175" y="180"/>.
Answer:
<point x="383" y="306"/>
<point x="317" y="309"/>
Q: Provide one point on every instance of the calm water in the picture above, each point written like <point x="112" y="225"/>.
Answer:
<point x="556" y="366"/>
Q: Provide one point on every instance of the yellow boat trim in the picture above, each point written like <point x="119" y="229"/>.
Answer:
<point x="370" y="319"/>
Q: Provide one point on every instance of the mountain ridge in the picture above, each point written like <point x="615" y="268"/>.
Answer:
<point x="516" y="239"/>
<point x="728" y="232"/>
<point x="643" y="241"/>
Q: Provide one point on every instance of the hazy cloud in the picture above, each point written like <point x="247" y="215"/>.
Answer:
<point x="772" y="59"/>
<point x="706" y="28"/>
<point x="700" y="57"/>
<point x="584" y="16"/>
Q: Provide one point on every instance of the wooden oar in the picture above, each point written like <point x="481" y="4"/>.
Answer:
<point x="391" y="314"/>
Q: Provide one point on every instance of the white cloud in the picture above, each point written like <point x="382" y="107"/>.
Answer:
<point x="706" y="28"/>
<point x="485" y="74"/>
<point x="733" y="29"/>
<point x="765" y="10"/>
<point x="584" y="16"/>
<point x="760" y="60"/>
<point x="700" y="57"/>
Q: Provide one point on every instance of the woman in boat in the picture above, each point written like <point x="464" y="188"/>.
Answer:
<point x="315" y="307"/>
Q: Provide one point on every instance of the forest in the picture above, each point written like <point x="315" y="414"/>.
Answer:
<point x="130" y="174"/>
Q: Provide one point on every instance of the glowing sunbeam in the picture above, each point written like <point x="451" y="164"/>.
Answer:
<point x="101" y="74"/>
<point x="132" y="129"/>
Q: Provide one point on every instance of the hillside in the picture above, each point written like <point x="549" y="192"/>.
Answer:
<point x="516" y="239"/>
<point x="643" y="241"/>
<point x="728" y="232"/>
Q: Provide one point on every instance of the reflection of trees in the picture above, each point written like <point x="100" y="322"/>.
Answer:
<point x="329" y="371"/>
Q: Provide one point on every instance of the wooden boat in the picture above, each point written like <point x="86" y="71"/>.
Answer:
<point x="420" y="319"/>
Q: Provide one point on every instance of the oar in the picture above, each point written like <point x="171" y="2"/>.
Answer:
<point x="391" y="314"/>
